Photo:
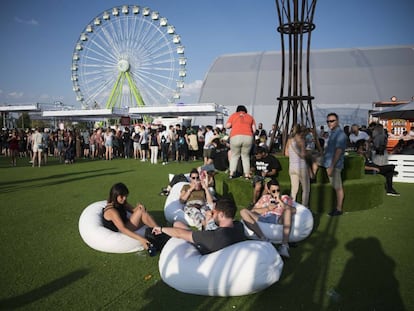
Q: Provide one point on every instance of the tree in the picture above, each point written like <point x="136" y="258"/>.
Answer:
<point x="24" y="120"/>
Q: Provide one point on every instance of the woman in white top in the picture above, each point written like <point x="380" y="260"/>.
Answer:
<point x="144" y="143"/>
<point x="298" y="169"/>
<point x="108" y="139"/>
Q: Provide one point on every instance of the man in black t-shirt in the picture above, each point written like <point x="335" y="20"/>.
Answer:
<point x="228" y="232"/>
<point x="264" y="167"/>
<point x="219" y="155"/>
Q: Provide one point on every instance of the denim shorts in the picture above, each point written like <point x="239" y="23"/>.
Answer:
<point x="269" y="218"/>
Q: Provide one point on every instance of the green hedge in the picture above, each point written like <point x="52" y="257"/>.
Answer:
<point x="361" y="191"/>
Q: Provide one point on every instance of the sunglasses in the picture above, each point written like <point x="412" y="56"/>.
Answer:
<point x="330" y="121"/>
<point x="275" y="190"/>
<point x="195" y="177"/>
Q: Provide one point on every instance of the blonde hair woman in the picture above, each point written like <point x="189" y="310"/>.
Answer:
<point x="298" y="169"/>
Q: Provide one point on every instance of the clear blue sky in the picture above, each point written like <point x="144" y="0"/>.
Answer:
<point x="38" y="36"/>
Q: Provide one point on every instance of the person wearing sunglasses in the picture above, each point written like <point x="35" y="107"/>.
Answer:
<point x="272" y="208"/>
<point x="264" y="166"/>
<point x="197" y="199"/>
<point x="333" y="160"/>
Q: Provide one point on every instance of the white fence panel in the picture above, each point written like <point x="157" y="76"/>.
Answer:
<point x="404" y="165"/>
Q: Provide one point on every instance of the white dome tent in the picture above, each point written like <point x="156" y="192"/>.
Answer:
<point x="346" y="81"/>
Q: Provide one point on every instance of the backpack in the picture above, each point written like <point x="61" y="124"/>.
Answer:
<point x="163" y="139"/>
<point x="380" y="144"/>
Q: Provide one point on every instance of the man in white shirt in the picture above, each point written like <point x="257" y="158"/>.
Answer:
<point x="356" y="134"/>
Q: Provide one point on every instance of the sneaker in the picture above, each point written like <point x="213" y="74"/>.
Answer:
<point x="393" y="193"/>
<point x="164" y="193"/>
<point x="335" y="212"/>
<point x="284" y="250"/>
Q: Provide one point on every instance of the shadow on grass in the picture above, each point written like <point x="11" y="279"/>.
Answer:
<point x="306" y="272"/>
<point x="368" y="281"/>
<point x="43" y="291"/>
<point x="53" y="179"/>
<point x="26" y="180"/>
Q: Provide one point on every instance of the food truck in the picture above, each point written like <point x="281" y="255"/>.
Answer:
<point x="397" y="128"/>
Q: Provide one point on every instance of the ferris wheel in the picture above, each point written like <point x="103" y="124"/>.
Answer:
<point x="128" y="56"/>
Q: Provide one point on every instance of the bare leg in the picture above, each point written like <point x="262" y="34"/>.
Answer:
<point x="34" y="159"/>
<point x="256" y="192"/>
<point x="287" y="224"/>
<point x="141" y="217"/>
<point x="339" y="198"/>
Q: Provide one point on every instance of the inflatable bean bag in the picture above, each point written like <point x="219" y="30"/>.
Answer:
<point x="173" y="209"/>
<point x="102" y="239"/>
<point x="239" y="269"/>
<point x="302" y="225"/>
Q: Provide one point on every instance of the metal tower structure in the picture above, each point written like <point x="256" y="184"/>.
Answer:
<point x="295" y="100"/>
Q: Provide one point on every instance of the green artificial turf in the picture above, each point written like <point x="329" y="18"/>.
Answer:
<point x="359" y="261"/>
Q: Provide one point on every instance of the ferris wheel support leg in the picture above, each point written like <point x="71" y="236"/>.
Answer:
<point x="115" y="91"/>
<point x="134" y="90"/>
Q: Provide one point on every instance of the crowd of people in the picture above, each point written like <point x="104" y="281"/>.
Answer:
<point x="144" y="142"/>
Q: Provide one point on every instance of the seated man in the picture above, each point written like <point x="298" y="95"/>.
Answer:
<point x="271" y="208"/>
<point x="388" y="171"/>
<point x="197" y="199"/>
<point x="219" y="155"/>
<point x="357" y="135"/>
<point x="264" y="167"/>
<point x="228" y="231"/>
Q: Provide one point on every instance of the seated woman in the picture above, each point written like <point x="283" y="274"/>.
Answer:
<point x="388" y="171"/>
<point x="197" y="199"/>
<point x="115" y="218"/>
<point x="206" y="171"/>
<point x="271" y="208"/>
